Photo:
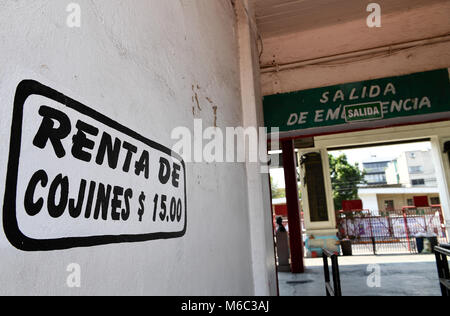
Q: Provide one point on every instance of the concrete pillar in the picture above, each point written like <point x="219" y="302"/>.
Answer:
<point x="292" y="200"/>
<point x="258" y="187"/>
<point x="319" y="233"/>
<point x="442" y="166"/>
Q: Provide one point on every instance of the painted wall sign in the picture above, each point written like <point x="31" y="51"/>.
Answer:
<point x="417" y="98"/>
<point x="78" y="179"/>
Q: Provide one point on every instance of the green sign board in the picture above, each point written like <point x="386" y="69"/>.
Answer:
<point x="417" y="98"/>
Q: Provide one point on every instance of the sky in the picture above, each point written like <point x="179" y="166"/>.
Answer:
<point x="363" y="154"/>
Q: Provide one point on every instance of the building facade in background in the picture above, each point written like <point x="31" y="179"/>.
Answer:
<point x="393" y="184"/>
<point x="375" y="171"/>
<point x="412" y="169"/>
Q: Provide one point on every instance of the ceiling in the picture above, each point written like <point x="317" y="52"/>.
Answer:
<point x="280" y="17"/>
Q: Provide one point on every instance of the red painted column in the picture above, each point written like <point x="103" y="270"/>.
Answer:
<point x="292" y="199"/>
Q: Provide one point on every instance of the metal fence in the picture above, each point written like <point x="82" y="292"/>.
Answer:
<point x="393" y="231"/>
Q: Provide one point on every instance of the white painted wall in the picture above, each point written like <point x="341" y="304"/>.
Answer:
<point x="136" y="62"/>
<point x="370" y="201"/>
<point x="374" y="199"/>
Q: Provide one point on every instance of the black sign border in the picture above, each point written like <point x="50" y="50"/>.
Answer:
<point x="25" y="89"/>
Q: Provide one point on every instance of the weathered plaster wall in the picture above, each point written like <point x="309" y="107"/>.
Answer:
<point x="412" y="24"/>
<point x="137" y="62"/>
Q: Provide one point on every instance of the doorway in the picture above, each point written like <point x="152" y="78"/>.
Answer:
<point x="386" y="198"/>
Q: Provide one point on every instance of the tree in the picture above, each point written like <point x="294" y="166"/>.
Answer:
<point x="345" y="179"/>
<point x="277" y="193"/>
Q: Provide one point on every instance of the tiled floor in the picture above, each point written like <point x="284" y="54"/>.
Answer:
<point x="406" y="275"/>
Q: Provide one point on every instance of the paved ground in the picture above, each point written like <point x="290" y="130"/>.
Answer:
<point x="405" y="275"/>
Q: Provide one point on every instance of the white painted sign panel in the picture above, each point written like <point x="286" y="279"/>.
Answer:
<point x="77" y="178"/>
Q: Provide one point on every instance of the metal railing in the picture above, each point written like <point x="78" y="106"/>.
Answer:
<point x="335" y="289"/>
<point x="392" y="231"/>
<point x="442" y="252"/>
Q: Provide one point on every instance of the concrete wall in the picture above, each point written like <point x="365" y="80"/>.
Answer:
<point x="400" y="200"/>
<point x="137" y="62"/>
<point x="376" y="202"/>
